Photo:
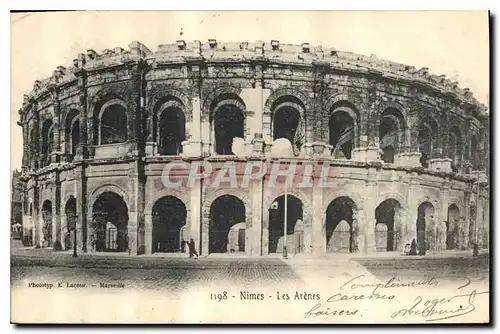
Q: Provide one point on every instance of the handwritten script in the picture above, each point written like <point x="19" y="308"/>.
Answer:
<point x="356" y="290"/>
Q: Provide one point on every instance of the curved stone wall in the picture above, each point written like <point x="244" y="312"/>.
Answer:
<point x="405" y="147"/>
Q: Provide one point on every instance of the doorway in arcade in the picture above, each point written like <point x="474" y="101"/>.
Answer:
<point x="295" y="225"/>
<point x="227" y="225"/>
<point x="169" y="220"/>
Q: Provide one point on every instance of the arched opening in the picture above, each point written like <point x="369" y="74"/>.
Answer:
<point x="287" y="121"/>
<point x="340" y="230"/>
<point x="295" y="225"/>
<point x="72" y="133"/>
<point x="228" y="123"/>
<point x="71" y="221"/>
<point x="454" y="148"/>
<point x="47" y="141"/>
<point x="452" y="225"/>
<point x="425" y="222"/>
<point x="172" y="131"/>
<point x="426" y="137"/>
<point x="227" y="225"/>
<point x="113" y="124"/>
<point x="47" y="223"/>
<point x="110" y="208"/>
<point x="387" y="227"/>
<point x="169" y="218"/>
<point x="342" y="127"/>
<point x="391" y="129"/>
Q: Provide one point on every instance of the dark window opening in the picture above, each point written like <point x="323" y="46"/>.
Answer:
<point x="169" y="218"/>
<point x="228" y="124"/>
<point x="108" y="209"/>
<point x="277" y="225"/>
<point x="226" y="213"/>
<point x="113" y="124"/>
<point x="341" y="127"/>
<point x="172" y="131"/>
<point x="340" y="236"/>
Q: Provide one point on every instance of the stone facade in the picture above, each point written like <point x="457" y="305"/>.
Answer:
<point x="408" y="151"/>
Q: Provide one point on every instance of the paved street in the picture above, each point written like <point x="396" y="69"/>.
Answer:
<point x="208" y="288"/>
<point x="179" y="272"/>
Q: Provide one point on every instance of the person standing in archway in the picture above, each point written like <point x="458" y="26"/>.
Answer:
<point x="413" y="247"/>
<point x="192" y="248"/>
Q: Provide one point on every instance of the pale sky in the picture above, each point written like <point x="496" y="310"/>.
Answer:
<point x="452" y="43"/>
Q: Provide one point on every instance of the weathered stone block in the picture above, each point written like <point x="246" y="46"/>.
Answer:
<point x="408" y="159"/>
<point x="440" y="164"/>
<point x="366" y="154"/>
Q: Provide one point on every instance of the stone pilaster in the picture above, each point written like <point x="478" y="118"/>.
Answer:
<point x="56" y="212"/>
<point x="135" y="205"/>
<point x="37" y="230"/>
<point x="132" y="233"/>
<point x="35" y="140"/>
<point x="267" y="197"/>
<point x="411" y="218"/>
<point x="148" y="233"/>
<point x="26" y="146"/>
<point x="55" y="154"/>
<point x="206" y="135"/>
<point x="254" y="246"/>
<point x="193" y="146"/>
<point x="85" y="139"/>
<point x="366" y="218"/>
<point x="317" y="233"/>
<point x="195" y="220"/>
<point x="83" y="222"/>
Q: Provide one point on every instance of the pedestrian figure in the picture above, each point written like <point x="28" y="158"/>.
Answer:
<point x="407" y="249"/>
<point x="413" y="247"/>
<point x="192" y="249"/>
<point x="183" y="246"/>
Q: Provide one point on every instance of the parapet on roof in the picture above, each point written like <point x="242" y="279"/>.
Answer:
<point x="273" y="51"/>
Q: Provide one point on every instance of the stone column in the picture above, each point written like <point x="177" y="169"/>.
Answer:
<point x="83" y="221"/>
<point x="465" y="222"/>
<point x="134" y="110"/>
<point x="133" y="190"/>
<point x="64" y="229"/>
<point x="150" y="144"/>
<point x="34" y="142"/>
<point x="132" y="233"/>
<point x="85" y="139"/>
<point x="148" y="233"/>
<point x="317" y="232"/>
<point x="367" y="219"/>
<point x="193" y="145"/>
<point x="411" y="218"/>
<point x="26" y="145"/>
<point x="410" y="155"/>
<point x="55" y="154"/>
<point x="56" y="215"/>
<point x="254" y="100"/>
<point x="255" y="234"/>
<point x="37" y="231"/>
<point x="196" y="219"/>
<point x="208" y="147"/>
<point x="90" y="237"/>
